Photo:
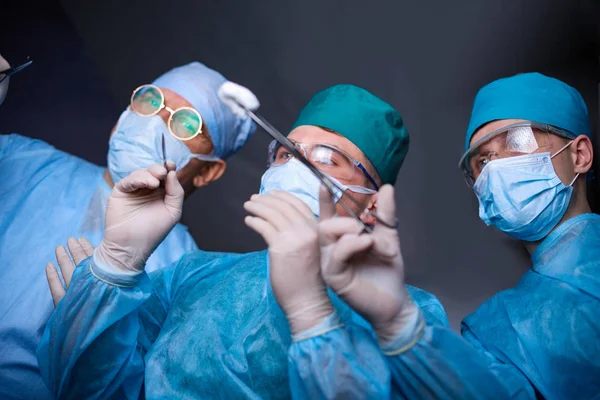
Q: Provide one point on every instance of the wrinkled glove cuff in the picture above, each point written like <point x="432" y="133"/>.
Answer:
<point x="410" y="334"/>
<point x="328" y="324"/>
<point x="112" y="275"/>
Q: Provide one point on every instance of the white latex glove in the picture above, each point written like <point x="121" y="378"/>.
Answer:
<point x="290" y="230"/>
<point x="238" y="98"/>
<point x="140" y="213"/>
<point x="366" y="270"/>
<point x="80" y="250"/>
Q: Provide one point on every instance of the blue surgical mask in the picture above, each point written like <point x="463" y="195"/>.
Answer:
<point x="522" y="196"/>
<point x="137" y="144"/>
<point x="295" y="178"/>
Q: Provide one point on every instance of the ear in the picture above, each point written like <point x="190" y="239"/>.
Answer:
<point x="582" y="154"/>
<point x="210" y="172"/>
<point x="372" y="207"/>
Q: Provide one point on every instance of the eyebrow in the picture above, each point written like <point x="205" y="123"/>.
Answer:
<point x="323" y="144"/>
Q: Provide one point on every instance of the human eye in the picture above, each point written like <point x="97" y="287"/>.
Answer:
<point x="283" y="154"/>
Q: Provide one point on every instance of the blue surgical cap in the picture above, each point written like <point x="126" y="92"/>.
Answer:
<point x="199" y="85"/>
<point x="533" y="97"/>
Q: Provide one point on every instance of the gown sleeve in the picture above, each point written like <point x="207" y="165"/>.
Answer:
<point x="424" y="361"/>
<point x="94" y="344"/>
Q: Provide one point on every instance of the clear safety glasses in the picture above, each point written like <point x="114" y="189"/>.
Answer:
<point x="326" y="158"/>
<point x="510" y="141"/>
<point x="185" y="123"/>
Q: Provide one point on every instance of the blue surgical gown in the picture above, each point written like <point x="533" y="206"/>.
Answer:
<point x="207" y="327"/>
<point x="538" y="339"/>
<point x="46" y="196"/>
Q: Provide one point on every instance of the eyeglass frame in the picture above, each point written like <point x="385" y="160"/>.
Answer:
<point x="169" y="109"/>
<point x="300" y="146"/>
<point x="528" y="124"/>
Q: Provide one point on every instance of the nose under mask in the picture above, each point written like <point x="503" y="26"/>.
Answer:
<point x="137" y="144"/>
<point x="295" y="178"/>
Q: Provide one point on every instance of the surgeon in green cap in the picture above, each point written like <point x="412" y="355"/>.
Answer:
<point x="527" y="153"/>
<point x="219" y="325"/>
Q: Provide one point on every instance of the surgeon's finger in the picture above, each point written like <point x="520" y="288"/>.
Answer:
<point x="171" y="166"/>
<point x="56" y="287"/>
<point x="158" y="171"/>
<point x="138" y="180"/>
<point x="326" y="204"/>
<point x="331" y="230"/>
<point x="280" y="205"/>
<point x="76" y="250"/>
<point x="262" y="227"/>
<point x="386" y="207"/>
<point x="87" y="246"/>
<point x="65" y="264"/>
<point x="349" y="246"/>
<point x="270" y="214"/>
<point x="287" y="199"/>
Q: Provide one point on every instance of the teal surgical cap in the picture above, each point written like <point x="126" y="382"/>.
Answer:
<point x="533" y="97"/>
<point x="373" y="125"/>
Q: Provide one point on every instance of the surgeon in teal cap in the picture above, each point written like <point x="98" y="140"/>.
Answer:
<point x="527" y="154"/>
<point x="219" y="325"/>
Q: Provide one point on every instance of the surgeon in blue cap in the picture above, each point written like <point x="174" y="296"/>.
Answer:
<point x="48" y="195"/>
<point x="527" y="153"/>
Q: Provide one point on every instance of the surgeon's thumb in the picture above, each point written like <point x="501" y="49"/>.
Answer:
<point x="174" y="194"/>
<point x="326" y="204"/>
<point x="386" y="207"/>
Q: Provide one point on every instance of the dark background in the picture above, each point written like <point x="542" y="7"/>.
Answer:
<point x="426" y="58"/>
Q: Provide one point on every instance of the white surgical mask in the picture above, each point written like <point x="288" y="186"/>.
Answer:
<point x="522" y="196"/>
<point x="295" y="178"/>
<point x="137" y="144"/>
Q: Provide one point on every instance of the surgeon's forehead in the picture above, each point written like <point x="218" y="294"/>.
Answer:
<point x="491" y="127"/>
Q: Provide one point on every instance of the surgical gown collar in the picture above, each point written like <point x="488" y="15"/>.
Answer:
<point x="558" y="233"/>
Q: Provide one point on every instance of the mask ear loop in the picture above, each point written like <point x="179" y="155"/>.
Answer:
<point x="574" y="179"/>
<point x="562" y="148"/>
<point x="560" y="151"/>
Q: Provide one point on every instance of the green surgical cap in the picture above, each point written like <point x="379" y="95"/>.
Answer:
<point x="373" y="125"/>
<point x="533" y="97"/>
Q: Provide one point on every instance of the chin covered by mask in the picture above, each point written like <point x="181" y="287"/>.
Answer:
<point x="137" y="144"/>
<point x="295" y="178"/>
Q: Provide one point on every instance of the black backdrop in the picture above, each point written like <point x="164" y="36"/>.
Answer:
<point x="426" y="58"/>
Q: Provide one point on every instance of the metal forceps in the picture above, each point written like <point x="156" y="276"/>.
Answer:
<point x="164" y="153"/>
<point x="325" y="180"/>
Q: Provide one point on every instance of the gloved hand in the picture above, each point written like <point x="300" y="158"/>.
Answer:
<point x="366" y="270"/>
<point x="80" y="250"/>
<point x="139" y="215"/>
<point x="238" y="98"/>
<point x="290" y="230"/>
